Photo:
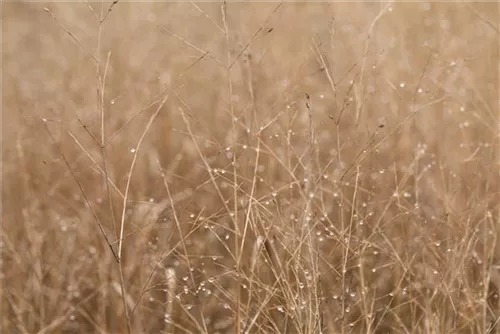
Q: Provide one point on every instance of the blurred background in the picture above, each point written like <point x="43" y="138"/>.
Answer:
<point x="370" y="121"/>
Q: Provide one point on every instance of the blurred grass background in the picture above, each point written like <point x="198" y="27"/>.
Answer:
<point x="332" y="167"/>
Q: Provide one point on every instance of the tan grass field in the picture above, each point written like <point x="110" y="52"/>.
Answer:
<point x="250" y="167"/>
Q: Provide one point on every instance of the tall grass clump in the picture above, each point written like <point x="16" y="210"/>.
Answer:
<point x="172" y="167"/>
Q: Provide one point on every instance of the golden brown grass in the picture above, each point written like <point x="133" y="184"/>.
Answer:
<point x="250" y="167"/>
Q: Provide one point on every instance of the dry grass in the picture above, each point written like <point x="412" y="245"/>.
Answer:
<point x="251" y="167"/>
